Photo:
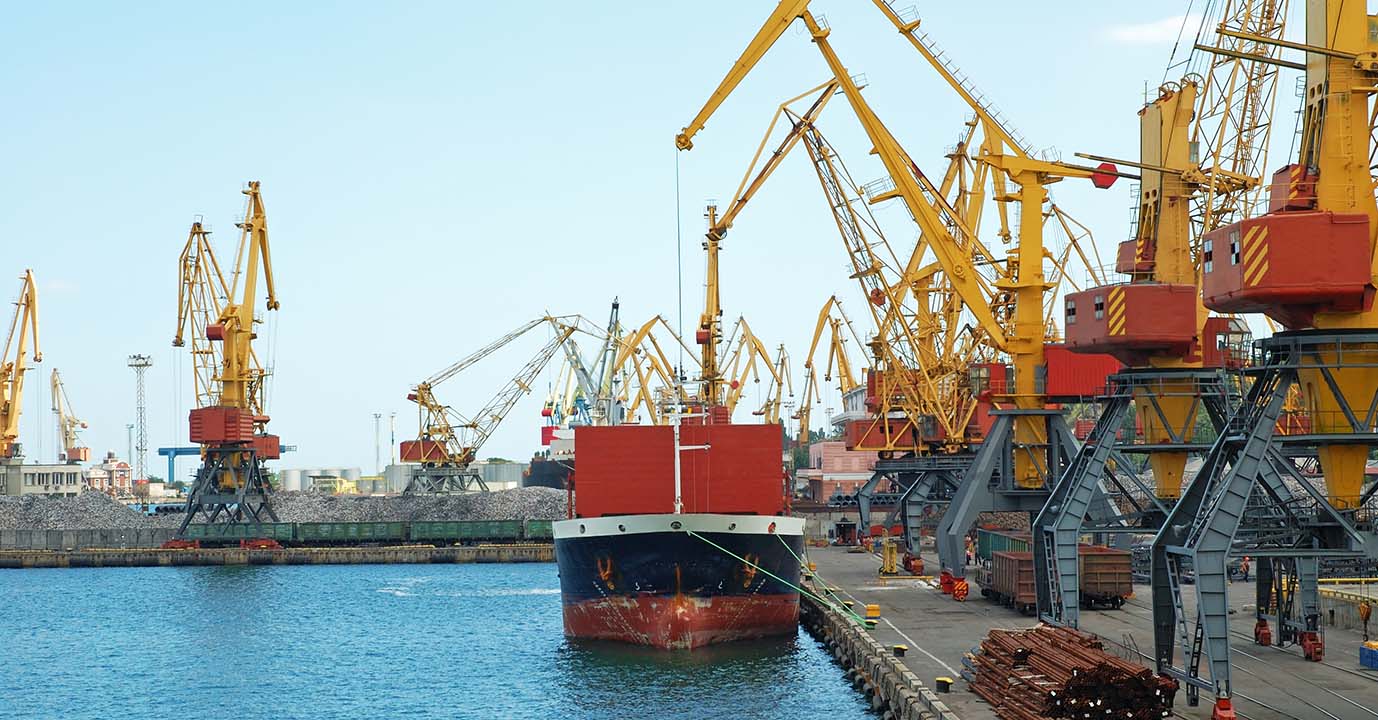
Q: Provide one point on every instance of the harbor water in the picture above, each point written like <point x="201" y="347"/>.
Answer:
<point x="351" y="641"/>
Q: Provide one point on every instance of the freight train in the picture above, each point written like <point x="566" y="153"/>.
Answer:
<point x="447" y="532"/>
<point x="1006" y="573"/>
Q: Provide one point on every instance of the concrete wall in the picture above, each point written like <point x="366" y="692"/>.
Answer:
<point x="1343" y="613"/>
<point x="79" y="539"/>
<point x="893" y="690"/>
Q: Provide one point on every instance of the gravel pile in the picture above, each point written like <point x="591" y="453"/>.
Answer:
<point x="533" y="503"/>
<point x="92" y="510"/>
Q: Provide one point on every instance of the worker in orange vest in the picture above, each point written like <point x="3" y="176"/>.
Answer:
<point x="1244" y="568"/>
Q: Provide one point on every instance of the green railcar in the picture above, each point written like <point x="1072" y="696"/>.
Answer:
<point x="467" y="531"/>
<point x="989" y="542"/>
<point x="540" y="530"/>
<point x="234" y="532"/>
<point x="433" y="530"/>
<point x="350" y="532"/>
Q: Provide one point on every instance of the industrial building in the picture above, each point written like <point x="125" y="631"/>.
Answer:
<point x="835" y="470"/>
<point x="111" y="476"/>
<point x="51" y="479"/>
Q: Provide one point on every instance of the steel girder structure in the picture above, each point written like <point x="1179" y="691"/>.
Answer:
<point x="1250" y="499"/>
<point x="445" y="479"/>
<point x="1134" y="507"/>
<point x="989" y="484"/>
<point x="933" y="480"/>
<point x="248" y="502"/>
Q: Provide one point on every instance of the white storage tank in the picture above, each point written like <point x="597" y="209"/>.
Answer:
<point x="290" y="480"/>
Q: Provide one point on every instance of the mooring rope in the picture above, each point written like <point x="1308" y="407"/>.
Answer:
<point x="801" y="590"/>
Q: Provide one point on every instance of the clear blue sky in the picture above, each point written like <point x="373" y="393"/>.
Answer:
<point x="435" y="173"/>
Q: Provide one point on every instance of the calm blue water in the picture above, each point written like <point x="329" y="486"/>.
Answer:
<point x="366" y="641"/>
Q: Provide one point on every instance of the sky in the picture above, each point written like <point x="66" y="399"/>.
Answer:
<point x="437" y="173"/>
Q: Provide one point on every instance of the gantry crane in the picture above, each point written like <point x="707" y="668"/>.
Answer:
<point x="1195" y="177"/>
<point x="230" y="420"/>
<point x="1028" y="442"/>
<point x="14" y="363"/>
<point x="447" y="443"/>
<point x="69" y="425"/>
<point x="1309" y="263"/>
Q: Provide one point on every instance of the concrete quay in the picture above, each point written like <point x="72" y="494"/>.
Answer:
<point x="1270" y="683"/>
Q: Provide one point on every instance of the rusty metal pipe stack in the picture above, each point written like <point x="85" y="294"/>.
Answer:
<point x="1052" y="672"/>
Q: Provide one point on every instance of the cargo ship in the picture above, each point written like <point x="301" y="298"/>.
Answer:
<point x="678" y="536"/>
<point x="545" y="472"/>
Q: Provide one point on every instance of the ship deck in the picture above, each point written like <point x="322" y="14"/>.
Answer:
<point x="1269" y="683"/>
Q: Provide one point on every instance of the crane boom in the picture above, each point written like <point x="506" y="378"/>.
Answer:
<point x="68" y="425"/>
<point x="774" y="27"/>
<point x="448" y="442"/>
<point x="487" y="419"/>
<point x="481" y="353"/>
<point x="13" y="365"/>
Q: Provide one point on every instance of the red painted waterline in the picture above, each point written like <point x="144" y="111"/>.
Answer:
<point x="682" y="621"/>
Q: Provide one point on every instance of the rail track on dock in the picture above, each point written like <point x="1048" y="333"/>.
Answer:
<point x="1132" y="608"/>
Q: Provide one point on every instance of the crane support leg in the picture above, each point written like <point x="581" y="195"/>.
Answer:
<point x="213" y="499"/>
<point x="443" y="480"/>
<point x="1242" y="504"/>
<point x="1137" y="508"/>
<point x="990" y="484"/>
<point x="925" y="501"/>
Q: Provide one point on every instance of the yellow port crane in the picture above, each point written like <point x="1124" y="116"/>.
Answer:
<point x="1203" y="147"/>
<point x="1308" y="262"/>
<point x="229" y="422"/>
<point x="13" y="365"/>
<point x="654" y="384"/>
<point x="1028" y="442"/>
<point x="447" y="443"/>
<point x="780" y="391"/>
<point x="69" y="426"/>
<point x="839" y="363"/>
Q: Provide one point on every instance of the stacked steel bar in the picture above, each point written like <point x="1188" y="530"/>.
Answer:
<point x="1052" y="672"/>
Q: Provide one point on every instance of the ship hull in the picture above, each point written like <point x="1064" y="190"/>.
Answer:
<point x="715" y="578"/>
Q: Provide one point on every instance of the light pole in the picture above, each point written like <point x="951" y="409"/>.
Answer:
<point x="377" y="444"/>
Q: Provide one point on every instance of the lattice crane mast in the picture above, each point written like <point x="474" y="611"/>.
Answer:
<point x="14" y="363"/>
<point x="69" y="426"/>
<point x="780" y="392"/>
<point x="447" y="442"/>
<point x="709" y="334"/>
<point x="229" y="422"/>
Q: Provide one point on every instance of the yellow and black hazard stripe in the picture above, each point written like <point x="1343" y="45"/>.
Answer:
<point x="1255" y="255"/>
<point x="1114" y="311"/>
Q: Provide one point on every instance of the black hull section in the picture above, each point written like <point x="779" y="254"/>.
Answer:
<point x="675" y="590"/>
